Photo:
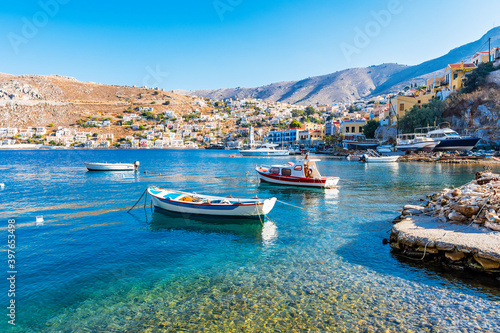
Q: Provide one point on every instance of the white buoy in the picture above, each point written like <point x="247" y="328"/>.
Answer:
<point x="39" y="219"/>
<point x="2" y="186"/>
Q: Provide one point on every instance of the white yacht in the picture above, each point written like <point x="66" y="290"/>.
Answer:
<point x="449" y="139"/>
<point x="266" y="149"/>
<point x="415" y="141"/>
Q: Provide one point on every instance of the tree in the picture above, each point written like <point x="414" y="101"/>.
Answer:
<point x="370" y="128"/>
<point x="295" y="124"/>
<point x="477" y="78"/>
<point x="297" y="113"/>
<point x="428" y="115"/>
<point x="166" y="103"/>
<point x="310" y="111"/>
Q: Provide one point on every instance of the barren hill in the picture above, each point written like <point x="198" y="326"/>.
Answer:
<point x="351" y="84"/>
<point x="37" y="100"/>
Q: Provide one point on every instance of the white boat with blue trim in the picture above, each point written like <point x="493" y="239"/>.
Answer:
<point x="208" y="205"/>
<point x="112" y="166"/>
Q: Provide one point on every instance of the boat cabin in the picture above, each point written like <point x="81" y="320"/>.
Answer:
<point x="304" y="169"/>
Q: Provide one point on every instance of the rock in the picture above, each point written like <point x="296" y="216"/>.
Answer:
<point x="492" y="226"/>
<point x="456" y="192"/>
<point x="413" y="207"/>
<point x="467" y="210"/>
<point x="487" y="263"/>
<point x="454" y="256"/>
<point x="427" y="249"/>
<point x="454" y="216"/>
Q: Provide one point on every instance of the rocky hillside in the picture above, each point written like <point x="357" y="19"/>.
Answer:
<point x="36" y="100"/>
<point x="351" y="84"/>
<point x="344" y="86"/>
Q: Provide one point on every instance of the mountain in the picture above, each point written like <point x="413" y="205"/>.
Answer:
<point x="351" y="84"/>
<point x="39" y="100"/>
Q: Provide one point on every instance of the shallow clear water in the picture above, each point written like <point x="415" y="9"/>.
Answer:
<point x="92" y="267"/>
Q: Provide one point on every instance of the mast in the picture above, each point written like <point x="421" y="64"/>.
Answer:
<point x="489" y="49"/>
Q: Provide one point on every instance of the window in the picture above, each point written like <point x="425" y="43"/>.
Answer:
<point x="353" y="129"/>
<point x="286" y="172"/>
<point x="298" y="168"/>
<point x="347" y="129"/>
<point x="401" y="107"/>
<point x="455" y="76"/>
<point x="360" y="129"/>
<point x="275" y="171"/>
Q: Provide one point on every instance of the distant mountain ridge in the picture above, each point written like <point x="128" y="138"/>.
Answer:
<point x="350" y="84"/>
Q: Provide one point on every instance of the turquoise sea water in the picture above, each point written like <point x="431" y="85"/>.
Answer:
<point x="91" y="267"/>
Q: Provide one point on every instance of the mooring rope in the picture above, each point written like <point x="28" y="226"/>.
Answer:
<point x="137" y="200"/>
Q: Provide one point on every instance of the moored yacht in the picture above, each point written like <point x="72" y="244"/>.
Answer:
<point x="266" y="149"/>
<point x="449" y="139"/>
<point x="416" y="142"/>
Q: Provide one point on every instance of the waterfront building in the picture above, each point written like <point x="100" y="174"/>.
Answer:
<point x="283" y="137"/>
<point x="349" y="127"/>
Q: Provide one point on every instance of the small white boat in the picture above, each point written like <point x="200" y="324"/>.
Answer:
<point x="207" y="205"/>
<point x="373" y="157"/>
<point x="416" y="142"/>
<point x="266" y="149"/>
<point x="112" y="166"/>
<point x="303" y="173"/>
<point x="354" y="157"/>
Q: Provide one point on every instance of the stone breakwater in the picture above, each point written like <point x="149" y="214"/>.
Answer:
<point x="458" y="228"/>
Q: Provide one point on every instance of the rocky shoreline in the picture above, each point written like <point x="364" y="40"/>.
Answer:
<point x="458" y="228"/>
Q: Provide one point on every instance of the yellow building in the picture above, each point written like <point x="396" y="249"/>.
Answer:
<point x="455" y="74"/>
<point x="435" y="84"/>
<point x="402" y="104"/>
<point x="351" y="127"/>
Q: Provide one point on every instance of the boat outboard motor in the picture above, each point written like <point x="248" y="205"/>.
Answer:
<point x="136" y="165"/>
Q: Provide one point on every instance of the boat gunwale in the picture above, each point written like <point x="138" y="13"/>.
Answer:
<point x="258" y="202"/>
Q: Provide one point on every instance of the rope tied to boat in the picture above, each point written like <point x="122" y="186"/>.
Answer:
<point x="138" y="200"/>
<point x="258" y="213"/>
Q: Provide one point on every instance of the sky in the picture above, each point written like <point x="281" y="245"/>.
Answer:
<point x="210" y="44"/>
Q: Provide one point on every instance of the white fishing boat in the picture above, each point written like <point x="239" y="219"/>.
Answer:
<point x="266" y="149"/>
<point x="372" y="156"/>
<point x="207" y="205"/>
<point x="112" y="166"/>
<point x="416" y="142"/>
<point x="302" y="173"/>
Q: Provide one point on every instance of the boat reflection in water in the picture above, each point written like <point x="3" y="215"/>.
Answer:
<point x="163" y="220"/>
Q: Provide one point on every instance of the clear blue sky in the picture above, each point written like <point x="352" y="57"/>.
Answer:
<point x="208" y="44"/>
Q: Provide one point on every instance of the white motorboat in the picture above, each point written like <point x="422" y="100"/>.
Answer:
<point x="449" y="139"/>
<point x="266" y="149"/>
<point x="112" y="166"/>
<point x="302" y="173"/>
<point x="207" y="205"/>
<point x="373" y="157"/>
<point x="416" y="142"/>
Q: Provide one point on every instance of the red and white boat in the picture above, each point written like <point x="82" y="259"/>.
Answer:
<point x="302" y="173"/>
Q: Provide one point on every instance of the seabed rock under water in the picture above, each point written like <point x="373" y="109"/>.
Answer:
<point x="459" y="228"/>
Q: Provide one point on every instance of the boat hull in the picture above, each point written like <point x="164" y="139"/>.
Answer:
<point x="423" y="146"/>
<point x="110" y="167"/>
<point x="324" y="182"/>
<point x="264" y="153"/>
<point x="253" y="209"/>
<point x="457" y="144"/>
<point x="381" y="159"/>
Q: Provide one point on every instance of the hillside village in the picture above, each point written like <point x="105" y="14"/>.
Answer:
<point x="58" y="111"/>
